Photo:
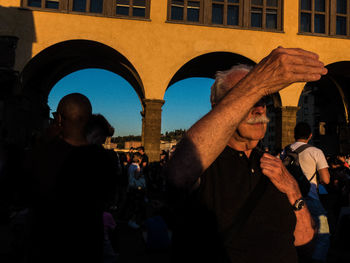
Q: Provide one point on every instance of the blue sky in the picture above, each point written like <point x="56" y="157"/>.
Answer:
<point x="112" y="96"/>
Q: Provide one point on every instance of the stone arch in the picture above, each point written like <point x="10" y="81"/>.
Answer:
<point x="61" y="59"/>
<point x="49" y="66"/>
<point x="208" y="64"/>
<point x="325" y="105"/>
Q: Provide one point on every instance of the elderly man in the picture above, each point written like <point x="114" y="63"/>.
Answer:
<point x="244" y="206"/>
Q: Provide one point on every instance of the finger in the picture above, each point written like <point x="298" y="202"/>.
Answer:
<point x="297" y="51"/>
<point x="271" y="174"/>
<point x="308" y="69"/>
<point x="269" y="156"/>
<point x="304" y="60"/>
<point x="306" y="77"/>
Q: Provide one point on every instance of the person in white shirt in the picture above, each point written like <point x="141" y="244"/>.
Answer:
<point x="311" y="160"/>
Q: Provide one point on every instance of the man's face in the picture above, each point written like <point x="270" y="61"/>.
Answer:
<point x="253" y="126"/>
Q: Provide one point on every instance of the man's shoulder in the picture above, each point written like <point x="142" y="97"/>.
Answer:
<point x="306" y="146"/>
<point x="312" y="151"/>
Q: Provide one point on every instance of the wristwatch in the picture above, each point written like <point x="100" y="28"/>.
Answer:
<point x="299" y="204"/>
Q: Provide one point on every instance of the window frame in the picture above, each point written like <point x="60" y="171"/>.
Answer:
<point x="131" y="7"/>
<point x="313" y="12"/>
<point x="201" y="12"/>
<point x="244" y="19"/>
<point x="226" y="4"/>
<point x="108" y="10"/>
<point x="279" y="13"/>
<point x="87" y="8"/>
<point x="61" y="6"/>
<point x="333" y="19"/>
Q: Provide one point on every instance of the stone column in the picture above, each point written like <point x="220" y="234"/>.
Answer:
<point x="8" y="79"/>
<point x="151" y="128"/>
<point x="286" y="118"/>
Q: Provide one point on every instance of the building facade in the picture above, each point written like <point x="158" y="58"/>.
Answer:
<point x="155" y="43"/>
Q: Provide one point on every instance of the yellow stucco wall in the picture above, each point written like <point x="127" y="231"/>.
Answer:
<point x="157" y="49"/>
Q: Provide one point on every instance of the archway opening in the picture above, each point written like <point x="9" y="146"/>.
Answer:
<point x="51" y="65"/>
<point x="110" y="95"/>
<point x="324" y="105"/>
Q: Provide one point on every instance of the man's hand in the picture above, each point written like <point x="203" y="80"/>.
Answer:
<point x="278" y="174"/>
<point x="273" y="168"/>
<point x="284" y="66"/>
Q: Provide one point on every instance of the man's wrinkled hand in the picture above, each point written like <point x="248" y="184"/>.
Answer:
<point x="284" y="66"/>
<point x="278" y="174"/>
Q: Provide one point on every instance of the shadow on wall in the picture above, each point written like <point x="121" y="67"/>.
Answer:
<point x="17" y="34"/>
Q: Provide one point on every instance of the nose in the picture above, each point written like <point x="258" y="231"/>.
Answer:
<point x="259" y="110"/>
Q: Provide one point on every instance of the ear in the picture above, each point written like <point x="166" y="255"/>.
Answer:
<point x="310" y="136"/>
<point x="59" y="120"/>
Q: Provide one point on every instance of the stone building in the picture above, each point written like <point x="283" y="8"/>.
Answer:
<point x="155" y="43"/>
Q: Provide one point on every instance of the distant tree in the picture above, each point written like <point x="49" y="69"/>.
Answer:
<point x="120" y="140"/>
<point x="173" y="135"/>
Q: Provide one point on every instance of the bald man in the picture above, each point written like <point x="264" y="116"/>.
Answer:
<point x="71" y="182"/>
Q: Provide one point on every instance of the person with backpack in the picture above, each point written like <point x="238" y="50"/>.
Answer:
<point x="311" y="160"/>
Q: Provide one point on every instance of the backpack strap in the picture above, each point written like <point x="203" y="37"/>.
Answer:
<point x="302" y="148"/>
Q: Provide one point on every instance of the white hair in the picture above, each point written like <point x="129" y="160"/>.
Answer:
<point x="218" y="89"/>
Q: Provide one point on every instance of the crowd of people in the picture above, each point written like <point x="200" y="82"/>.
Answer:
<point x="216" y="196"/>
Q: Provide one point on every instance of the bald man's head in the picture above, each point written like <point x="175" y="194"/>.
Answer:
<point x="75" y="109"/>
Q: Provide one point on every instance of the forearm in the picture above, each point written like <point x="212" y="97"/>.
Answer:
<point x="324" y="176"/>
<point x="305" y="227"/>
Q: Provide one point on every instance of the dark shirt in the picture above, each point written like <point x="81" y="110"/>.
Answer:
<point x="144" y="159"/>
<point x="70" y="187"/>
<point x="266" y="236"/>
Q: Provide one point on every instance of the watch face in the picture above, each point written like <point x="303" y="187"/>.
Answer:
<point x="299" y="204"/>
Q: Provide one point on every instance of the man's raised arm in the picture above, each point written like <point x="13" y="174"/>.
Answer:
<point x="207" y="138"/>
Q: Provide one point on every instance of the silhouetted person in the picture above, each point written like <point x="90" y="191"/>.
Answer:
<point x="98" y="129"/>
<point x="70" y="182"/>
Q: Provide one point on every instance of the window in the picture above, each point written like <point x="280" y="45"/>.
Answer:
<point x="266" y="14"/>
<point x="314" y="16"/>
<point x="49" y="4"/>
<point x="132" y="8"/>
<point x="340" y="12"/>
<point x="185" y="10"/>
<point x="124" y="8"/>
<point x="226" y="12"/>
<point x="88" y="6"/>
<point x="262" y="14"/>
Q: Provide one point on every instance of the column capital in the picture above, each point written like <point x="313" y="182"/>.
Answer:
<point x="153" y="102"/>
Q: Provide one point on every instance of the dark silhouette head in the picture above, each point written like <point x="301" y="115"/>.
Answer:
<point x="302" y="131"/>
<point x="73" y="113"/>
<point x="98" y="129"/>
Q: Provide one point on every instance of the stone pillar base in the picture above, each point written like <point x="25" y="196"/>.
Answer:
<point x="151" y="128"/>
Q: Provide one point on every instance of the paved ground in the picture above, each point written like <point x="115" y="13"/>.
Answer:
<point x="131" y="247"/>
<point x="129" y="243"/>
